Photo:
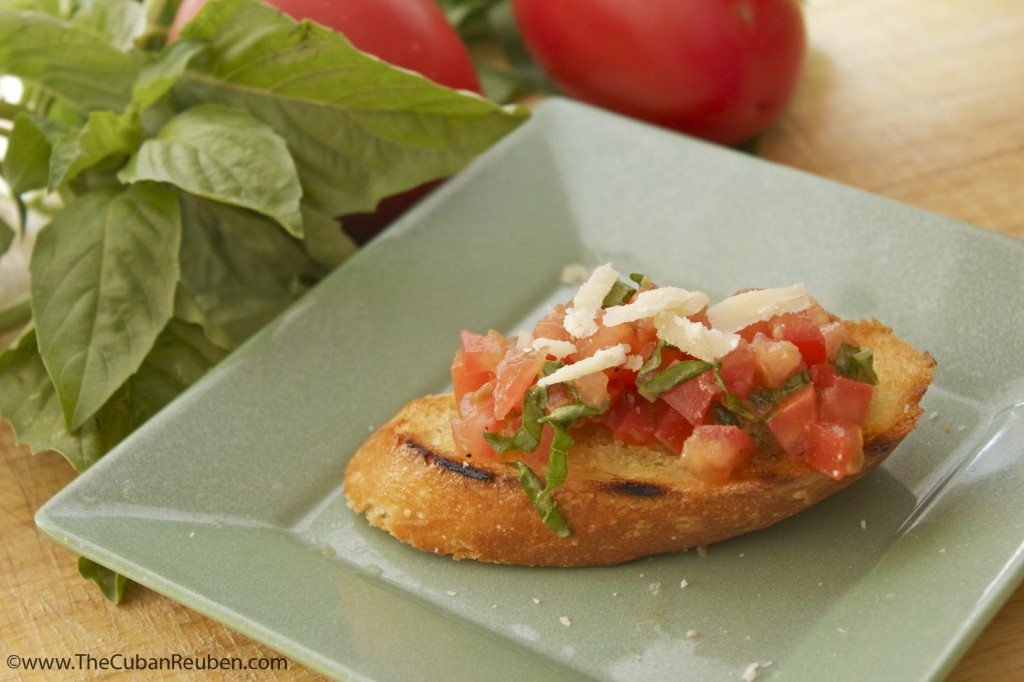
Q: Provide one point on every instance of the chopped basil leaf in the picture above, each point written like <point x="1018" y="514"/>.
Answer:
<point x="619" y="294"/>
<point x="567" y="414"/>
<point x="769" y="397"/>
<point x="856" y="363"/>
<point x="641" y="279"/>
<point x="527" y="438"/>
<point x="550" y="366"/>
<point x="542" y="501"/>
<point x="654" y="361"/>
<point x="672" y="377"/>
<point x="558" y="458"/>
<point x="745" y="420"/>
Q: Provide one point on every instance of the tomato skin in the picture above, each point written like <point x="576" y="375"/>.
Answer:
<point x="836" y="450"/>
<point x="412" y="34"/>
<point x="692" y="398"/>
<point x="791" y="423"/>
<point x="713" y="453"/>
<point x="718" y="69"/>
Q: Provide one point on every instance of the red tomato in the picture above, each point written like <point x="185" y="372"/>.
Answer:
<point x="482" y="353"/>
<point x="803" y="333"/>
<point x="671" y="428"/>
<point x="717" y="69"/>
<point x="792" y="421"/>
<point x="476" y="417"/>
<point x="412" y="34"/>
<point x="516" y="373"/>
<point x="845" y="401"/>
<point x="631" y="421"/>
<point x="774" y="361"/>
<point x="713" y="453"/>
<point x="692" y="398"/>
<point x="836" y="449"/>
<point x="464" y="382"/>
<point x="737" y="371"/>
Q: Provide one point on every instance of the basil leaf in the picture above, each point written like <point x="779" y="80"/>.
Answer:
<point x="527" y="438"/>
<point x="25" y="165"/>
<point x="672" y="376"/>
<point x="103" y="277"/>
<point x="77" y="66"/>
<point x="111" y="584"/>
<point x="618" y="295"/>
<point x="156" y="78"/>
<point x="226" y="155"/>
<point x="542" y="500"/>
<point x="764" y="398"/>
<point x="857" y="364"/>
<point x="358" y="129"/>
<point x="641" y="279"/>
<point x="241" y="268"/>
<point x="118" y="21"/>
<point x="565" y="415"/>
<point x="29" y="402"/>
<point x="654" y="361"/>
<point x="106" y="138"/>
<point x="558" y="458"/>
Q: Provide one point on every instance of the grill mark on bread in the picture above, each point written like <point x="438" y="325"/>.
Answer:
<point x="453" y="465"/>
<point x="636" y="489"/>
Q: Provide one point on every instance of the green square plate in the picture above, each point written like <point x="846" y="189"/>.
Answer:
<point x="229" y="501"/>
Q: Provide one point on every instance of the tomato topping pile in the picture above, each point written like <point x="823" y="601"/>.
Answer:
<point x="780" y="378"/>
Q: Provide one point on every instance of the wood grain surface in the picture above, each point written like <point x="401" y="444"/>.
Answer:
<point x="918" y="100"/>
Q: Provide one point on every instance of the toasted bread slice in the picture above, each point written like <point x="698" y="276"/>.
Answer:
<point x="621" y="501"/>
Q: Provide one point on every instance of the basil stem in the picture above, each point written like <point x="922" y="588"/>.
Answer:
<point x="857" y="364"/>
<point x="540" y="496"/>
<point x="672" y="377"/>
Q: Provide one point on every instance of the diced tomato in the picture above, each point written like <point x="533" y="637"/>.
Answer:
<point x="671" y="428"/>
<point x="462" y="381"/>
<point x="836" y="450"/>
<point x="593" y="389"/>
<point x="646" y="336"/>
<point x="792" y="421"/>
<point x="737" y="371"/>
<point x="516" y="372"/>
<point x="714" y="452"/>
<point x="802" y="333"/>
<point x="844" y="401"/>
<point x="750" y="332"/>
<point x="482" y="353"/>
<point x="692" y="398"/>
<point x="631" y="420"/>
<point x="836" y="334"/>
<point x="620" y="380"/>
<point x="774" y="360"/>
<point x="552" y="325"/>
<point x="476" y="416"/>
<point x="605" y="337"/>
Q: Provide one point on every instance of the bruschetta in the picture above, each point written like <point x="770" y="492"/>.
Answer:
<point x="639" y="419"/>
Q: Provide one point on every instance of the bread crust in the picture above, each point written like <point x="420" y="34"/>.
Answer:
<point x="622" y="502"/>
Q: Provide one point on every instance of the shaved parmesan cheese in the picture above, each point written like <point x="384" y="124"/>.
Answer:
<point x="650" y="303"/>
<point x="580" y="319"/>
<point x="524" y="340"/>
<point x="694" y="338"/>
<point x="743" y="310"/>
<point x="554" y="347"/>
<point x="601" y="360"/>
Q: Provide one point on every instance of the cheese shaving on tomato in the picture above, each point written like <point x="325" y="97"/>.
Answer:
<point x="694" y="338"/>
<point x="650" y="303"/>
<point x="581" y="319"/>
<point x="554" y="347"/>
<point x="601" y="360"/>
<point x="743" y="310"/>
